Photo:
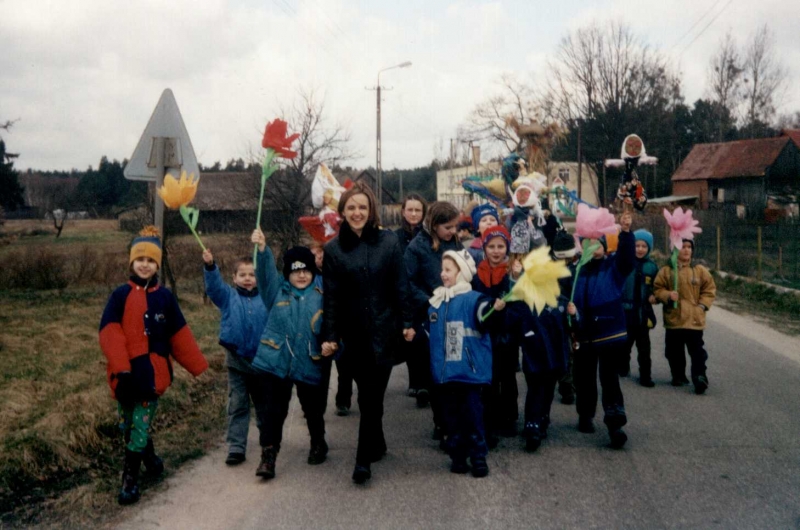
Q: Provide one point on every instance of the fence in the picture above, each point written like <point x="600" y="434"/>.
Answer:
<point x="760" y="250"/>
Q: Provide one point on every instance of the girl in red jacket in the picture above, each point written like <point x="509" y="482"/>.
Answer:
<point x="141" y="329"/>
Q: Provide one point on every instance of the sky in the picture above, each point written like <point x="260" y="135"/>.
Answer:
<point x="83" y="77"/>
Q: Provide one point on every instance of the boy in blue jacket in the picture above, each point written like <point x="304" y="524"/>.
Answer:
<point x="602" y="333"/>
<point x="461" y="360"/>
<point x="290" y="352"/>
<point x="243" y="318"/>
<point x="638" y="300"/>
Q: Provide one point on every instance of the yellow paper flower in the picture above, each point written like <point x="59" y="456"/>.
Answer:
<point x="538" y="285"/>
<point x="176" y="193"/>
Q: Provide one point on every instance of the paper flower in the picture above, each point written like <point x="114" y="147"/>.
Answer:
<point x="593" y="223"/>
<point x="275" y="138"/>
<point x="176" y="193"/>
<point x="538" y="286"/>
<point x="681" y="226"/>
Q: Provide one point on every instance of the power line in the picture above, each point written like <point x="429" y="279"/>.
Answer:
<point x="696" y="22"/>
<point x="706" y="26"/>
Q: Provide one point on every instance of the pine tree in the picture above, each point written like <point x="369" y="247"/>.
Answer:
<point x="10" y="190"/>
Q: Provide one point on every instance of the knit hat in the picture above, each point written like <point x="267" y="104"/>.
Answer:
<point x="464" y="225"/>
<point x="465" y="263"/>
<point x="496" y="231"/>
<point x="564" y="245"/>
<point x="690" y="241"/>
<point x="481" y="211"/>
<point x="299" y="258"/>
<point x="147" y="245"/>
<point x="602" y="240"/>
<point x="644" y="235"/>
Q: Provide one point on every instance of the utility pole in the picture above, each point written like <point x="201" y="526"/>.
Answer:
<point x="580" y="162"/>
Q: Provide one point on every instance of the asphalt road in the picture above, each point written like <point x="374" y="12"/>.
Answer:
<point x="727" y="459"/>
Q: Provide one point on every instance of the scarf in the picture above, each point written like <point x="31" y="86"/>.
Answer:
<point x="444" y="294"/>
<point x="491" y="276"/>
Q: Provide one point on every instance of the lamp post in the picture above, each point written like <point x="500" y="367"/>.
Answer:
<point x="378" y="131"/>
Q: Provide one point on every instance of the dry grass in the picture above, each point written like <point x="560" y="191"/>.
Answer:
<point x="60" y="449"/>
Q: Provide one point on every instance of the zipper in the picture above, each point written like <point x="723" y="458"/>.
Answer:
<point x="469" y="361"/>
<point x="444" y="341"/>
<point x="291" y="354"/>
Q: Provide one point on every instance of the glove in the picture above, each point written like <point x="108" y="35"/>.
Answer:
<point x="126" y="389"/>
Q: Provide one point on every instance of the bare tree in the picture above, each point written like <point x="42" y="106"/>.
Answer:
<point x="764" y="83"/>
<point x="725" y="81"/>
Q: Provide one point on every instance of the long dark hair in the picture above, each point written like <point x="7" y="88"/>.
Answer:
<point x="440" y="212"/>
<point x="412" y="197"/>
<point x="374" y="218"/>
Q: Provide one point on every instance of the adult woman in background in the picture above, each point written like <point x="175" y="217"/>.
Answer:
<point x="365" y="308"/>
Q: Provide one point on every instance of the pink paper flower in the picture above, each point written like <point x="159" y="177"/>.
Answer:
<point x="593" y="222"/>
<point x="681" y="226"/>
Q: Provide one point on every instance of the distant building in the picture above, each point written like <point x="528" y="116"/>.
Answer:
<point x="566" y="173"/>
<point x="448" y="182"/>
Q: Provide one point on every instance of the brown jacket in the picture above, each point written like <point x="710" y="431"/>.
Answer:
<point x="696" y="288"/>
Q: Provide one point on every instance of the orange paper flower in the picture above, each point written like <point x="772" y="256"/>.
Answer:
<point x="275" y="138"/>
<point x="176" y="193"/>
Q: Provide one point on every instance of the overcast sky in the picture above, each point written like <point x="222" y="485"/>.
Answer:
<point x="83" y="76"/>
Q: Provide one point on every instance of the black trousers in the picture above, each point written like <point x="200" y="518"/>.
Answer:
<point x="587" y="359"/>
<point x="278" y="394"/>
<point x="692" y="339"/>
<point x="417" y="354"/>
<point x="541" y="389"/>
<point x="566" y="383"/>
<point x="462" y="413"/>
<point x="639" y="335"/>
<point x="501" y="399"/>
<point x="344" y="391"/>
<point x="371" y="380"/>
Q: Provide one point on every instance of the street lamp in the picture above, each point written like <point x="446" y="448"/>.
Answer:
<point x="378" y="136"/>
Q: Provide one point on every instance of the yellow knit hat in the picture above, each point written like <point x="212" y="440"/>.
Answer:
<point x="147" y="244"/>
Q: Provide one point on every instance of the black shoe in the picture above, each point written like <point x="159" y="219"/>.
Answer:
<point x="679" y="381"/>
<point x="153" y="464"/>
<point x="586" y="425"/>
<point x="459" y="466"/>
<point x="129" y="493"/>
<point x="700" y="384"/>
<point x="618" y="438"/>
<point x="423" y="398"/>
<point x="533" y="436"/>
<point x="266" y="469"/>
<point x="646" y="382"/>
<point x="342" y="410"/>
<point x="412" y="392"/>
<point x="318" y="453"/>
<point x="569" y="399"/>
<point x="361" y="474"/>
<point x="234" y="459"/>
<point x="479" y="466"/>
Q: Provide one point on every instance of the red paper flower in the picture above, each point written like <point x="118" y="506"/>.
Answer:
<point x="275" y="138"/>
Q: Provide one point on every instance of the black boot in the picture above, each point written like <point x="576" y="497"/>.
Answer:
<point x="533" y="436"/>
<point x="318" y="452"/>
<point x="266" y="469"/>
<point x="129" y="493"/>
<point x="362" y="473"/>
<point x="153" y="464"/>
<point x="479" y="466"/>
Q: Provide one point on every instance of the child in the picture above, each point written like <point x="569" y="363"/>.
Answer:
<point x="142" y="326"/>
<point x="598" y="301"/>
<point x="464" y="231"/>
<point x="638" y="300"/>
<point x="493" y="280"/>
<point x="243" y="318"/>
<point x="564" y="249"/>
<point x="423" y="259"/>
<point x="290" y="352"/>
<point x="684" y="325"/>
<point x="545" y="343"/>
<point x="461" y="360"/>
<point x="484" y="216"/>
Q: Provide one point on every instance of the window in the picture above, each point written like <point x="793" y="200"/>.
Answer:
<point x="563" y="174"/>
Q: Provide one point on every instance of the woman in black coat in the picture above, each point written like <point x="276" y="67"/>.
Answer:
<point x="365" y="308"/>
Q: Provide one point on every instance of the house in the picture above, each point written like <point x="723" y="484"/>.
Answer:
<point x="794" y="134"/>
<point x="744" y="176"/>
<point x="566" y="174"/>
<point x="448" y="182"/>
<point x="369" y="179"/>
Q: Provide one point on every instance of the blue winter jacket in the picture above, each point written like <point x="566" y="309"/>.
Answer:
<point x="598" y="294"/>
<point x="243" y="314"/>
<point x="461" y="350"/>
<point x="424" y="266"/>
<point x="290" y="347"/>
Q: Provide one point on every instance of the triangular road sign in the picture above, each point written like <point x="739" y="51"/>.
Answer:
<point x="165" y="122"/>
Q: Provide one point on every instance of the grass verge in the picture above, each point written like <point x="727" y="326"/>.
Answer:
<point x="780" y="311"/>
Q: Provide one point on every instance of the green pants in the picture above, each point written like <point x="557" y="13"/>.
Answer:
<point x="135" y="421"/>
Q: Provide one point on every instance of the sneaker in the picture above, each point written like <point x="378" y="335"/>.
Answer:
<point x="618" y="438"/>
<point x="234" y="459"/>
<point x="459" y="466"/>
<point x="361" y="474"/>
<point x="342" y="410"/>
<point x="646" y="382"/>
<point x="700" y="384"/>
<point x="266" y="469"/>
<point x="586" y="425"/>
<point x="568" y="399"/>
<point x="412" y="392"/>
<point x="423" y="398"/>
<point x="318" y="453"/>
<point x="479" y="466"/>
<point x="679" y="381"/>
